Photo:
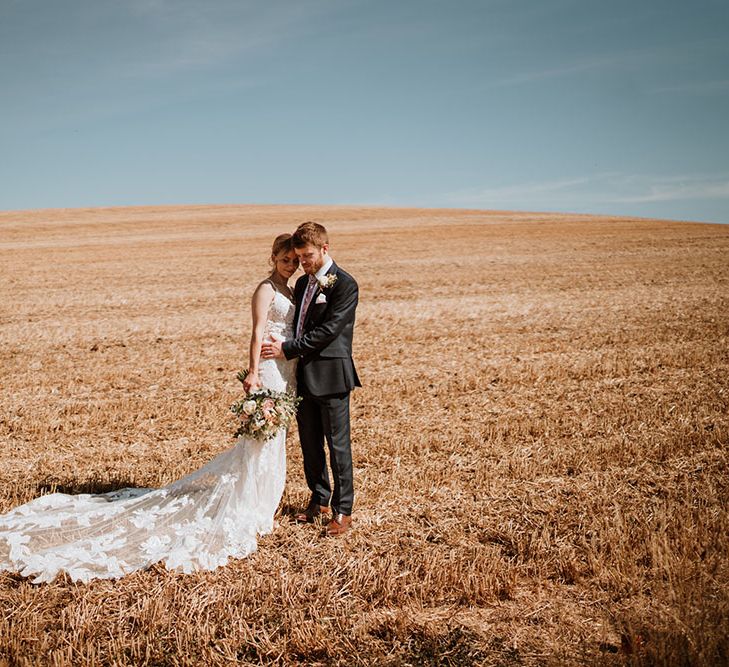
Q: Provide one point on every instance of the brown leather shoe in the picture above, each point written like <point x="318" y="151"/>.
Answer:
<point x="313" y="511"/>
<point x="339" y="524"/>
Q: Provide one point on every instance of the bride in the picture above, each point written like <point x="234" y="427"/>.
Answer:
<point x="195" y="523"/>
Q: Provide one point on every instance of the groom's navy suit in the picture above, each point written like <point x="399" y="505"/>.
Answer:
<point x="325" y="377"/>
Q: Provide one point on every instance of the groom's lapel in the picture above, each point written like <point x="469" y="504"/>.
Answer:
<point x="317" y="292"/>
<point x="299" y="291"/>
<point x="310" y="309"/>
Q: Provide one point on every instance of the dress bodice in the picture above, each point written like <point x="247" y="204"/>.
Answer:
<point x="279" y="374"/>
<point x="280" y="318"/>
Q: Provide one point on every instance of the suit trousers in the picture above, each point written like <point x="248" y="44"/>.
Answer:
<point x="326" y="419"/>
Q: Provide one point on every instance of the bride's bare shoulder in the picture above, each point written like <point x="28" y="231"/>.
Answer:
<point x="263" y="294"/>
<point x="265" y="287"/>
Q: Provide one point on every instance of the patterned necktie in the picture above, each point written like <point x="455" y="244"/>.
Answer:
<point x="310" y="289"/>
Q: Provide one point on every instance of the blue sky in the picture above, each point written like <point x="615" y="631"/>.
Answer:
<point x="551" y="105"/>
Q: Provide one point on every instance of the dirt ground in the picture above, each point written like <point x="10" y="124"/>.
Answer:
<point x="540" y="443"/>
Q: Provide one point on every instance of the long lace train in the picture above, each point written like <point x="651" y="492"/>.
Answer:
<point x="195" y="523"/>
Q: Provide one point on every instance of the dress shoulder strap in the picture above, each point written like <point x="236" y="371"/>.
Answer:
<point x="276" y="288"/>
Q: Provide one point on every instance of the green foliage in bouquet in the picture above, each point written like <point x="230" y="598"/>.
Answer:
<point x="263" y="412"/>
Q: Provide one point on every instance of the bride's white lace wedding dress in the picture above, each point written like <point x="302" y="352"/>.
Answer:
<point x="195" y="523"/>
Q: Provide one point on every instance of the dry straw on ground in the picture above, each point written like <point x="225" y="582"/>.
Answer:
<point x="540" y="445"/>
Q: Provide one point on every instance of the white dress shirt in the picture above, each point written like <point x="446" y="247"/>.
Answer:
<point x="318" y="275"/>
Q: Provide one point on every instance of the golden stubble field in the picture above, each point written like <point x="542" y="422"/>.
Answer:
<point x="540" y="445"/>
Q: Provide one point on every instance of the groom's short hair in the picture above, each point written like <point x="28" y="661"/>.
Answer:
<point x="310" y="233"/>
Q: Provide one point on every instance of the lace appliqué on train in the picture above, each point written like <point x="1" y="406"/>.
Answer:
<point x="195" y="523"/>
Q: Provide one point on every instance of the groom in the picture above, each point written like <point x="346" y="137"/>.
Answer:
<point x="326" y="300"/>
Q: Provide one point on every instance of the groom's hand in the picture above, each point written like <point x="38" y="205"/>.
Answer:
<point x="272" y="350"/>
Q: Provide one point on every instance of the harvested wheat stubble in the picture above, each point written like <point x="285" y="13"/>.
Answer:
<point x="540" y="444"/>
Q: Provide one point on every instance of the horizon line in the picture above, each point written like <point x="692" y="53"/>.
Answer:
<point x="463" y="209"/>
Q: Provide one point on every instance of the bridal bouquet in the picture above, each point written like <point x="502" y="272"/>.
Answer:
<point x="263" y="412"/>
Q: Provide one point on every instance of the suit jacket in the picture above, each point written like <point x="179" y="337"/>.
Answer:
<point x="325" y="345"/>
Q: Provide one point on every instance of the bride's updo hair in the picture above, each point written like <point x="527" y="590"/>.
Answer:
<point x="282" y="244"/>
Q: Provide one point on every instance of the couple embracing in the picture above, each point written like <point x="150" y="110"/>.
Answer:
<point x="301" y="341"/>
<point x="319" y="346"/>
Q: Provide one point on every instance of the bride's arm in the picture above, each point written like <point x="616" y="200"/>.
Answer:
<point x="261" y="301"/>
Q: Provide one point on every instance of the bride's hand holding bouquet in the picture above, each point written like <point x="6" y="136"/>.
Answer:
<point x="250" y="380"/>
<point x="263" y="412"/>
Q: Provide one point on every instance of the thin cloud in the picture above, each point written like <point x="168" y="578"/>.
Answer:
<point x="671" y="191"/>
<point x="199" y="35"/>
<point x="558" y="72"/>
<point x="595" y="190"/>
<point x="519" y="191"/>
<point x="695" y="88"/>
<point x="630" y="60"/>
<point x="634" y="59"/>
